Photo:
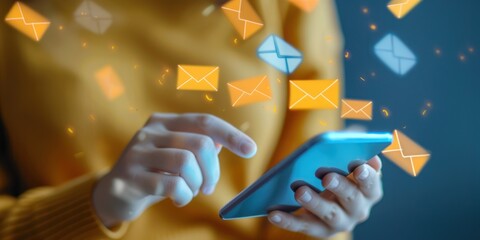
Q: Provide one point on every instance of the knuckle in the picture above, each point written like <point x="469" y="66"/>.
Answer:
<point x="203" y="143"/>
<point x="351" y="196"/>
<point x="205" y="120"/>
<point x="363" y="215"/>
<point x="173" y="185"/>
<point x="332" y="217"/>
<point x="233" y="139"/>
<point x="183" y="158"/>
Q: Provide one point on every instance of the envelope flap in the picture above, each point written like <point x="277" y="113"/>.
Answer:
<point x="395" y="143"/>
<point x="315" y="88"/>
<point x="22" y="11"/>
<point x="92" y="9"/>
<point x="268" y="45"/>
<point x="357" y="105"/>
<point x="409" y="147"/>
<point x="249" y="85"/>
<point x="400" y="49"/>
<point x="284" y="49"/>
<point x="386" y="44"/>
<point x="198" y="72"/>
<point x="248" y="13"/>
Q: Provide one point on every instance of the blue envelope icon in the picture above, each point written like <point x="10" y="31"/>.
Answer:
<point x="278" y="53"/>
<point x="395" y="54"/>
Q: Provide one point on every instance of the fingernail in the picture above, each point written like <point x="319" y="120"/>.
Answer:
<point x="208" y="190"/>
<point x="364" y="174"/>
<point x="306" y="197"/>
<point x="247" y="148"/>
<point x="276" y="219"/>
<point x="333" y="183"/>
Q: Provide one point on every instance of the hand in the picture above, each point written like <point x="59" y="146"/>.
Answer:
<point x="344" y="203"/>
<point x="172" y="156"/>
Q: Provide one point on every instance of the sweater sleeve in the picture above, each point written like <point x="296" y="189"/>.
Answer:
<point x="64" y="212"/>
<point x="317" y="35"/>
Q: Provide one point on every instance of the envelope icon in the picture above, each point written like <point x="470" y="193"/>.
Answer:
<point x="406" y="154"/>
<point x="243" y="17"/>
<point x="400" y="8"/>
<point x="93" y="17"/>
<point x="27" y="21"/>
<point x="279" y="54"/>
<point x="247" y="91"/>
<point x="109" y="82"/>
<point x="199" y="78"/>
<point x="395" y="54"/>
<point x="356" y="109"/>
<point x="314" y="94"/>
<point x="305" y="5"/>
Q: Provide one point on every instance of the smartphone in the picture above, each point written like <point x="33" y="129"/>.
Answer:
<point x="275" y="189"/>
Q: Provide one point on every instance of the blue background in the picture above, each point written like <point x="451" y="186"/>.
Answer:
<point x="443" y="202"/>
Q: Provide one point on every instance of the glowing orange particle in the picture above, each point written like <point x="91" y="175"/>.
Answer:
<point x="70" y="131"/>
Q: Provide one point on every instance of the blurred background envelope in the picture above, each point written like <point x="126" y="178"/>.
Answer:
<point x="314" y="94"/>
<point x="27" y="21"/>
<point x="400" y="8"/>
<point x="406" y="154"/>
<point x="278" y="53"/>
<point x="305" y="5"/>
<point x="357" y="109"/>
<point x="252" y="90"/>
<point x="395" y="54"/>
<point x="93" y="17"/>
<point x="199" y="78"/>
<point x="243" y="17"/>
<point x="109" y="82"/>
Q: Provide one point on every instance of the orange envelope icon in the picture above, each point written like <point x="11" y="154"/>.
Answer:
<point x="109" y="82"/>
<point x="406" y="154"/>
<point x="199" y="78"/>
<point x="356" y="109"/>
<point x="247" y="91"/>
<point x="27" y="21"/>
<point x="305" y="5"/>
<point x="243" y="17"/>
<point x="400" y="8"/>
<point x="314" y="94"/>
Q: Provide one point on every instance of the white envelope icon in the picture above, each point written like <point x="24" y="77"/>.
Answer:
<point x="93" y="17"/>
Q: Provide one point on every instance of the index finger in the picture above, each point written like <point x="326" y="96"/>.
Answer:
<point x="219" y="130"/>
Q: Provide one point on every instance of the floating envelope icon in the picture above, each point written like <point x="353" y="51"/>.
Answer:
<point x="278" y="53"/>
<point x="356" y="109"/>
<point x="395" y="54"/>
<point x="400" y="8"/>
<point x="27" y="21"/>
<point x="243" y="17"/>
<point x="305" y="5"/>
<point x="248" y="91"/>
<point x="93" y="17"/>
<point x="109" y="82"/>
<point x="406" y="154"/>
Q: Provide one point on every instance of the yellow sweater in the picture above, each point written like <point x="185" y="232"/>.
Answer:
<point x="63" y="132"/>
